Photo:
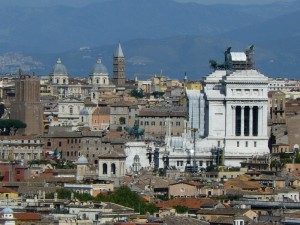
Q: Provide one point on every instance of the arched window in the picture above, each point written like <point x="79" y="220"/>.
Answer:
<point x="113" y="168"/>
<point x="104" y="168"/>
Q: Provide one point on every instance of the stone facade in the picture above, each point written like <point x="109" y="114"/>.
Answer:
<point x="21" y="148"/>
<point x="277" y="107"/>
<point x="112" y="166"/>
<point x="160" y="121"/>
<point x="119" y="115"/>
<point x="235" y="118"/>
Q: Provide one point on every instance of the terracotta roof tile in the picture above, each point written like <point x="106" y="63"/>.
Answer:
<point x="27" y="216"/>
<point x="7" y="190"/>
<point x="191" y="203"/>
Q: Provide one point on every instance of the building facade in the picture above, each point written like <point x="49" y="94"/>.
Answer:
<point x="235" y="118"/>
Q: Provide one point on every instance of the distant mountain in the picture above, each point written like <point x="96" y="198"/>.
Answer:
<point x="173" y="57"/>
<point x="157" y="36"/>
<point x="59" y="28"/>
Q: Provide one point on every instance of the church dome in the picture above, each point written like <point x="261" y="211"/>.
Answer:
<point x="82" y="160"/>
<point x="59" y="68"/>
<point x="7" y="210"/>
<point x="99" y="68"/>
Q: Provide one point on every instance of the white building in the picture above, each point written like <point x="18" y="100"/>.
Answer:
<point x="99" y="75"/>
<point x="59" y="75"/>
<point x="7" y="216"/>
<point x="275" y="84"/>
<point x="235" y="118"/>
<point x="70" y="112"/>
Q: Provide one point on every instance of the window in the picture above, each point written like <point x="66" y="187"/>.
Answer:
<point x="59" y="144"/>
<point x="254" y="144"/>
<point x="71" y="110"/>
<point x="246" y="143"/>
<point x="237" y="144"/>
<point x="153" y="123"/>
<point x="179" y="163"/>
<point x="104" y="168"/>
<point x="142" y="123"/>
<point x="113" y="168"/>
<point x="177" y="124"/>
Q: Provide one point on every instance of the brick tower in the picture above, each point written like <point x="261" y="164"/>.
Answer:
<point x="119" y="68"/>
<point x="27" y="106"/>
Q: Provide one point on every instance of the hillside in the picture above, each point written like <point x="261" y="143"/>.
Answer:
<point x="157" y="36"/>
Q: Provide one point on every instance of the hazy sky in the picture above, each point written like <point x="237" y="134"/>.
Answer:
<point x="241" y="2"/>
<point x="78" y="3"/>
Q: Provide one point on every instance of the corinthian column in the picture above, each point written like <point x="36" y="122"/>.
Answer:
<point x="260" y="121"/>
<point x="251" y="121"/>
<point x="242" y="120"/>
<point x="233" y="119"/>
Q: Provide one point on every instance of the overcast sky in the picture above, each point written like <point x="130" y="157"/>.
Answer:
<point x="78" y="3"/>
<point x="242" y="2"/>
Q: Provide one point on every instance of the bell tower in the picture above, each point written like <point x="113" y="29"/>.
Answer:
<point x="119" y="68"/>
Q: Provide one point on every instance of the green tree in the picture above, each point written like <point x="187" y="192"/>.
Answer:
<point x="158" y="94"/>
<point x="122" y="120"/>
<point x="124" y="196"/>
<point x="11" y="126"/>
<point x="137" y="93"/>
<point x="64" y="193"/>
<point x="83" y="197"/>
<point x="181" y="209"/>
<point x="2" y="110"/>
<point x="277" y="164"/>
